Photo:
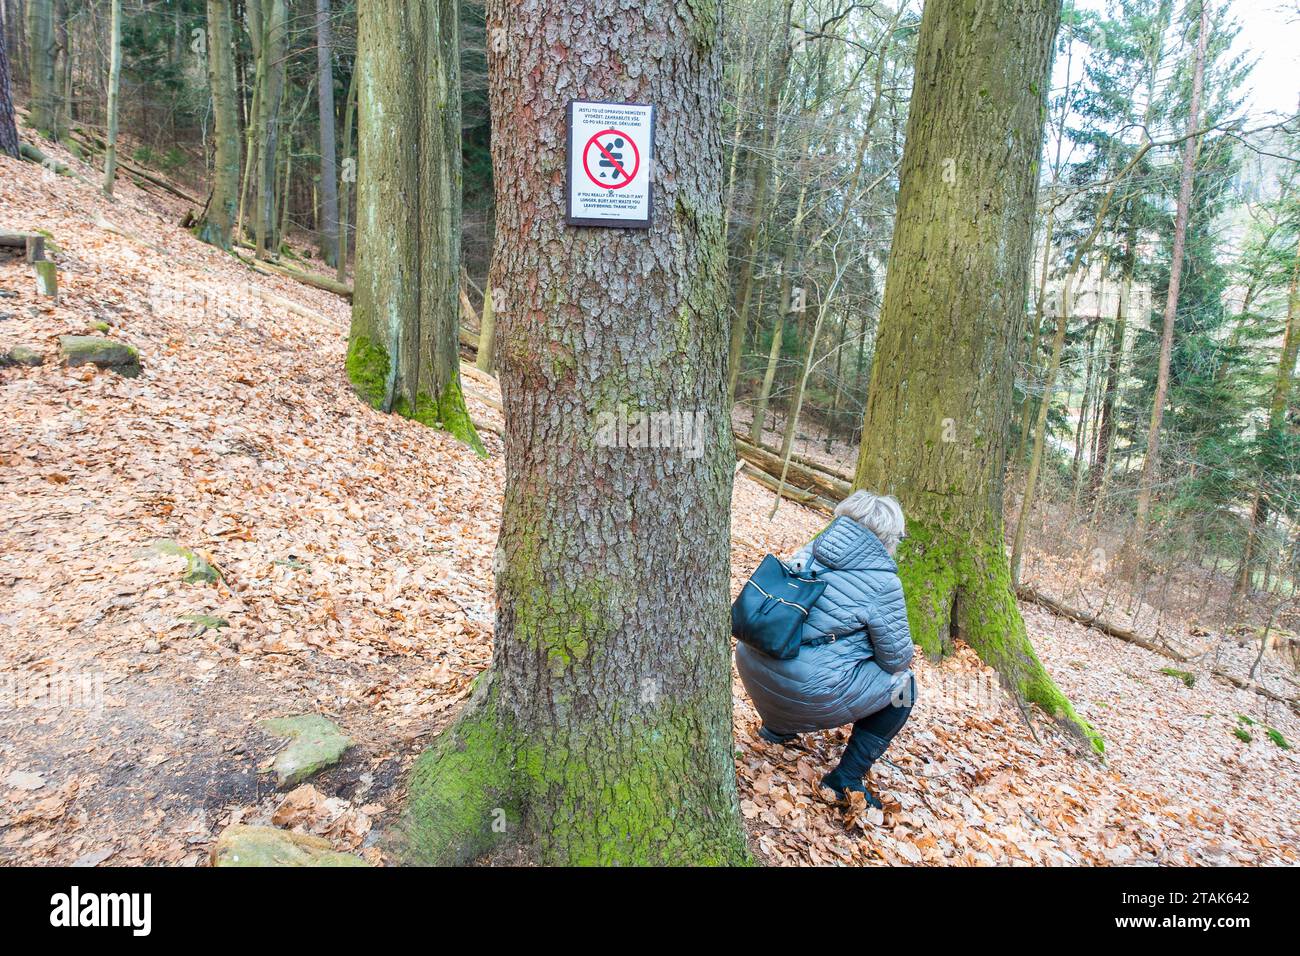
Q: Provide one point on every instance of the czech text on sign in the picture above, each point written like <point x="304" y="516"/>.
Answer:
<point x="611" y="156"/>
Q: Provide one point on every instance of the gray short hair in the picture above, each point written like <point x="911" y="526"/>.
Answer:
<point x="882" y="515"/>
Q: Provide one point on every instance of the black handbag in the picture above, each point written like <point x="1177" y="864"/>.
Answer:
<point x="771" y="609"/>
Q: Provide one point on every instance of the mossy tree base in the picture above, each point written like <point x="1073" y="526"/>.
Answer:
<point x="951" y="325"/>
<point x="963" y="583"/>
<point x="598" y="796"/>
<point x="370" y="371"/>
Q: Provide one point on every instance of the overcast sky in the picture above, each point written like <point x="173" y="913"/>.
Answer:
<point x="1270" y="35"/>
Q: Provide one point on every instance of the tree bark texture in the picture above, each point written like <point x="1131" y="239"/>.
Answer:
<point x="219" y="221"/>
<point x="941" y="393"/>
<point x="603" y="733"/>
<point x="402" y="352"/>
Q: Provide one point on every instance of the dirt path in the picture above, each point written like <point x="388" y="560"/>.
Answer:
<point x="356" y="554"/>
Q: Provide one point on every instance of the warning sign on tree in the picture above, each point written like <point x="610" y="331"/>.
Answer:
<point x="611" y="156"/>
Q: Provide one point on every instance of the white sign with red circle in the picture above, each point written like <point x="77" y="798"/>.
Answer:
<point x="611" y="157"/>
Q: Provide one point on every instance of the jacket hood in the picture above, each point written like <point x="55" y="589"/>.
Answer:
<point x="847" y="546"/>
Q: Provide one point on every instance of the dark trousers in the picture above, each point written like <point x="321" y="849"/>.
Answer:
<point x="885" y="724"/>
<point x="872" y="734"/>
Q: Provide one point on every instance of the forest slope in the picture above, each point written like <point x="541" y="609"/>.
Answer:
<point x="355" y="551"/>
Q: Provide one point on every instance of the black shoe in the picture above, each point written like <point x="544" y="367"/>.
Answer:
<point x="842" y="787"/>
<point x="772" y="737"/>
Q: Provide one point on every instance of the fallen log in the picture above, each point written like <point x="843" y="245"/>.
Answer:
<point x="806" y="498"/>
<point x="796" y="474"/>
<point x="805" y="461"/>
<point x="1095" y="622"/>
<point x="93" y="143"/>
<point x="1124" y="634"/>
<point x="323" y="283"/>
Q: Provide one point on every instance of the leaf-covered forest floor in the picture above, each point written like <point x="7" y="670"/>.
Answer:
<point x="355" y="557"/>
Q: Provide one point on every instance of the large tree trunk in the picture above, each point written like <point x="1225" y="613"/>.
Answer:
<point x="8" y="127"/>
<point x="223" y="207"/>
<point x="329" y="200"/>
<point x="43" y="103"/>
<point x="1151" y="461"/>
<point x="402" y="352"/>
<point x="603" y="734"/>
<point x="274" y="25"/>
<point x="940" y="400"/>
<point x="114" y="86"/>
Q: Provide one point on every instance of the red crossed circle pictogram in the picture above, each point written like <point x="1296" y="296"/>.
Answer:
<point x="620" y="168"/>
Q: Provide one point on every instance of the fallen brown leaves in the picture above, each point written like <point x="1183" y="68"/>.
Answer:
<point x="354" y="552"/>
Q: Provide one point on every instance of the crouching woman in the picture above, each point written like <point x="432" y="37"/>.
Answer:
<point x="853" y="663"/>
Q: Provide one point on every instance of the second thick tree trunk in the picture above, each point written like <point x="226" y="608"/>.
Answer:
<point x="402" y="353"/>
<point x="940" y="399"/>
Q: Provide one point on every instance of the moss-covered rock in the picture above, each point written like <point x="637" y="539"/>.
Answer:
<point x="100" y="352"/>
<point x="243" y="845"/>
<point x="23" y="355"/>
<point x="316" y="743"/>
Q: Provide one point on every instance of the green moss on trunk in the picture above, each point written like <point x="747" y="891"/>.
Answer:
<point x="970" y="573"/>
<point x="369" y="369"/>
<point x="588" y="795"/>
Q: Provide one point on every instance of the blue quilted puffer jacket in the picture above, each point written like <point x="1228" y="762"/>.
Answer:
<point x="857" y="646"/>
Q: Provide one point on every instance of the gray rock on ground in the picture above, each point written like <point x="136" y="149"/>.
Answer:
<point x="100" y="352"/>
<point x="23" y="355"/>
<point x="244" y="845"/>
<point x="316" y="743"/>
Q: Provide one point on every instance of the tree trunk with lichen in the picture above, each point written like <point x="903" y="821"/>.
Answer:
<point x="940" y="400"/>
<point x="8" y="125"/>
<point x="402" y="350"/>
<point x="42" y="111"/>
<point x="602" y="733"/>
<point x="219" y="221"/>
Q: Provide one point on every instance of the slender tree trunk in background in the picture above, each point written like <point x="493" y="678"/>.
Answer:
<point x="837" y="385"/>
<point x="253" y="131"/>
<point x="274" y="27"/>
<point x="1114" y="365"/>
<point x="487" y="332"/>
<point x="940" y="400"/>
<point x="329" y="201"/>
<point x="8" y="125"/>
<point x="62" y="71"/>
<point x="286" y="190"/>
<point x="42" y="105"/>
<point x="1035" y="342"/>
<point x="283" y="193"/>
<point x="114" y="85"/>
<point x="1276" y="421"/>
<point x="762" y="187"/>
<point x="603" y="730"/>
<point x="1086" y="402"/>
<point x="219" y="220"/>
<point x="403" y="348"/>
<point x="250" y="150"/>
<point x="1151" y="462"/>
<point x="774" y="353"/>
<point x="349" y="174"/>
